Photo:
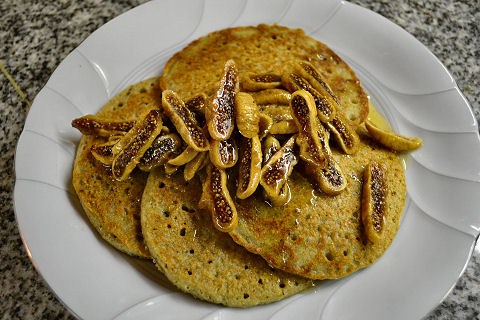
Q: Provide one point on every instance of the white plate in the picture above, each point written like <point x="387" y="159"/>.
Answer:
<point x="406" y="82"/>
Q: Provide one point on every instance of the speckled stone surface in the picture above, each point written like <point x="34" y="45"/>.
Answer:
<point x="35" y="36"/>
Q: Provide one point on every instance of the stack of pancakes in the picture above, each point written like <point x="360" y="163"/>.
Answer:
<point x="274" y="252"/>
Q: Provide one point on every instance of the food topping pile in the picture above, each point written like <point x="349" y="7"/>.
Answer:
<point x="253" y="131"/>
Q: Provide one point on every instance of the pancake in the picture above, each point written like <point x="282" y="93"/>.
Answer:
<point x="314" y="235"/>
<point x="320" y="236"/>
<point x="274" y="252"/>
<point x="113" y="207"/>
<point x="196" y="257"/>
<point x="262" y="49"/>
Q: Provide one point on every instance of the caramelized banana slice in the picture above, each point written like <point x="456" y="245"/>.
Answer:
<point x="374" y="195"/>
<point x="272" y="96"/>
<point x="220" y="110"/>
<point x="264" y="125"/>
<point x="195" y="165"/>
<point x="163" y="148"/>
<point x="247" y="115"/>
<point x="304" y="113"/>
<point x="314" y="77"/>
<point x="250" y="167"/>
<point x="185" y="157"/>
<point x="103" y="152"/>
<point x="94" y="125"/>
<point x="345" y="136"/>
<point x="284" y="127"/>
<point x="392" y="140"/>
<point x="294" y="82"/>
<point x="270" y="146"/>
<point x="131" y="147"/>
<point x="224" y="154"/>
<point x="216" y="198"/>
<point x="250" y="81"/>
<point x="275" y="173"/>
<point x="184" y="121"/>
<point x="196" y="105"/>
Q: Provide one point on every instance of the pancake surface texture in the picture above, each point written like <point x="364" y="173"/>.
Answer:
<point x="262" y="49"/>
<point x="314" y="235"/>
<point x="274" y="252"/>
<point x="199" y="259"/>
<point x="113" y="207"/>
<point x="320" y="236"/>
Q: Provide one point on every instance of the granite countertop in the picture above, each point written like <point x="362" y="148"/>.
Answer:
<point x="35" y="36"/>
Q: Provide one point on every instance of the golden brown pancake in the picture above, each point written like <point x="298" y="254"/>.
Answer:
<point x="199" y="259"/>
<point x="262" y="49"/>
<point x="113" y="207"/>
<point x="314" y="235"/>
<point x="320" y="236"/>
